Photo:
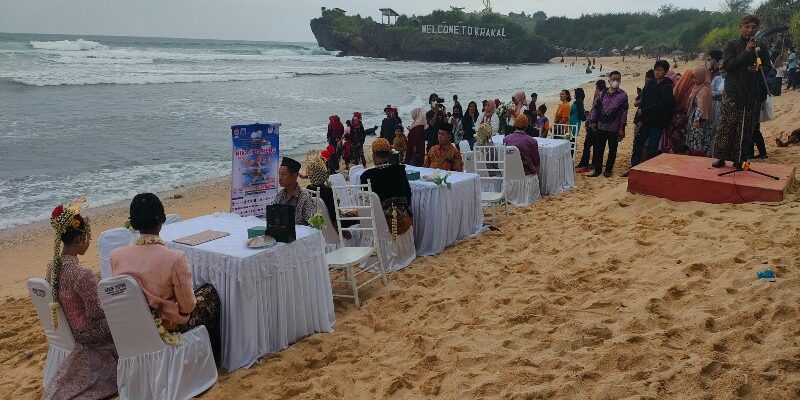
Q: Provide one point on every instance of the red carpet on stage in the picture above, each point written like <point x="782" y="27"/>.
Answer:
<point x="686" y="178"/>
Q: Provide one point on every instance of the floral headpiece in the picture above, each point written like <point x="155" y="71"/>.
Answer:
<point x="63" y="218"/>
<point x="316" y="170"/>
<point x="483" y="134"/>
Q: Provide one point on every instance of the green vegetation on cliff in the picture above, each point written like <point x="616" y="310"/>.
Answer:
<point x="668" y="29"/>
<point x="529" y="36"/>
<point x="355" y="35"/>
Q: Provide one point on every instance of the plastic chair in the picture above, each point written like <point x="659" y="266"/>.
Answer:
<point x="398" y="253"/>
<point x="60" y="340"/>
<point x="566" y="132"/>
<point x="352" y="261"/>
<point x="520" y="189"/>
<point x="110" y="240"/>
<point x="463" y="147"/>
<point x="490" y="164"/>
<point x="148" y="368"/>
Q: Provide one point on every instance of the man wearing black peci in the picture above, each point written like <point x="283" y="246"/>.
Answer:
<point x="292" y="194"/>
<point x="744" y="93"/>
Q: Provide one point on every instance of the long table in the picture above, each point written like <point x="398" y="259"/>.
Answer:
<point x="556" y="172"/>
<point x="270" y="297"/>
<point x="443" y="216"/>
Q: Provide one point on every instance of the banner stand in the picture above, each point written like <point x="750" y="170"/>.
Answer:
<point x="254" y="172"/>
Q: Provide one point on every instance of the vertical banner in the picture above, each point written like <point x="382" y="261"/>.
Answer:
<point x="254" y="175"/>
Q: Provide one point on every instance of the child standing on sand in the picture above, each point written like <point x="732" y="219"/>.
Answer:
<point x="400" y="143"/>
<point x="542" y="123"/>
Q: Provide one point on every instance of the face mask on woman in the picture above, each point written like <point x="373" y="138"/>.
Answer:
<point x="614" y="84"/>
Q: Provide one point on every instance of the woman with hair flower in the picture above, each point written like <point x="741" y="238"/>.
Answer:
<point x="90" y="369"/>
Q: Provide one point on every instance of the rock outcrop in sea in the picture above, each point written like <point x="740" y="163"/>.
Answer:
<point x="489" y="39"/>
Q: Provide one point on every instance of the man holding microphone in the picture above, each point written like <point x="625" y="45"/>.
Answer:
<point x="745" y="90"/>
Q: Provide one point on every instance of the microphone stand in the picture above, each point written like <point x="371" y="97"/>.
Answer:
<point x="744" y="166"/>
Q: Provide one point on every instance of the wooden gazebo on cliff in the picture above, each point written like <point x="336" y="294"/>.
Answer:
<point x="388" y="13"/>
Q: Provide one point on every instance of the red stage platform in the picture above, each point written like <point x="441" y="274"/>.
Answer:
<point x="685" y="178"/>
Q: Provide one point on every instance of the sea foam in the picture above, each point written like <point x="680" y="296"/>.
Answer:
<point x="67" y="45"/>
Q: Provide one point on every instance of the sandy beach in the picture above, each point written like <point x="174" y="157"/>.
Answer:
<point x="592" y="294"/>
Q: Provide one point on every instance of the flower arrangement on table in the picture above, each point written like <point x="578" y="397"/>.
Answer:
<point x="441" y="180"/>
<point x="568" y="136"/>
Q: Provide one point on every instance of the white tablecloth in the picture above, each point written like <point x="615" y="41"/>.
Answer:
<point x="556" y="173"/>
<point x="270" y="297"/>
<point x="443" y="216"/>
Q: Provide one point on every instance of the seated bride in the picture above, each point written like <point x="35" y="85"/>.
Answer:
<point x="165" y="277"/>
<point x="90" y="369"/>
<point x="390" y="183"/>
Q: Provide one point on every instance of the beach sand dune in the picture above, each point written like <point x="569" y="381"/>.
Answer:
<point x="592" y="294"/>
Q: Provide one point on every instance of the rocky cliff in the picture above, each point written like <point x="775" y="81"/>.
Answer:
<point x="410" y="43"/>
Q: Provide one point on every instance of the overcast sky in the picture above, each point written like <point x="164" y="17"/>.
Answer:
<point x="279" y="20"/>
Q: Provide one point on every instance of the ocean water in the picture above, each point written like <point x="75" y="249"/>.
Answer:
<point x="110" y="117"/>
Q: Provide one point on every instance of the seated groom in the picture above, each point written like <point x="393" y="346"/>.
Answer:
<point x="445" y="155"/>
<point x="292" y="194"/>
<point x="527" y="145"/>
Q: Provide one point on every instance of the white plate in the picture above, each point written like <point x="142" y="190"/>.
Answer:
<point x="259" y="242"/>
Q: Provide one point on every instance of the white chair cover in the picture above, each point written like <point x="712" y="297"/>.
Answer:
<point x="110" y="240"/>
<point x="463" y="147"/>
<point x="337" y="180"/>
<point x="521" y="190"/>
<point x="61" y="342"/>
<point x="328" y="231"/>
<point x="355" y="173"/>
<point x="172" y="218"/>
<point x="469" y="162"/>
<point x="396" y="254"/>
<point x="147" y="367"/>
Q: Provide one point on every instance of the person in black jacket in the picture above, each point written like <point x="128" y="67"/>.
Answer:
<point x="436" y="117"/>
<point x="655" y="113"/>
<point x="389" y="124"/>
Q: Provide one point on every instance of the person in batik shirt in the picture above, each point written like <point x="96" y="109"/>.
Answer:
<point x="445" y="155"/>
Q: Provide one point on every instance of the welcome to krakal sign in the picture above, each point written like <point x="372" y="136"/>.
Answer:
<point x="463" y="30"/>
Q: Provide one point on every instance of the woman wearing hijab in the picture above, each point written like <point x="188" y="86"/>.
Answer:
<point x="415" y="150"/>
<point x="675" y="134"/>
<point x="520" y="106"/>
<point x="699" y="130"/>
<point x="359" y="136"/>
<point x="489" y="116"/>
<point x="335" y="135"/>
